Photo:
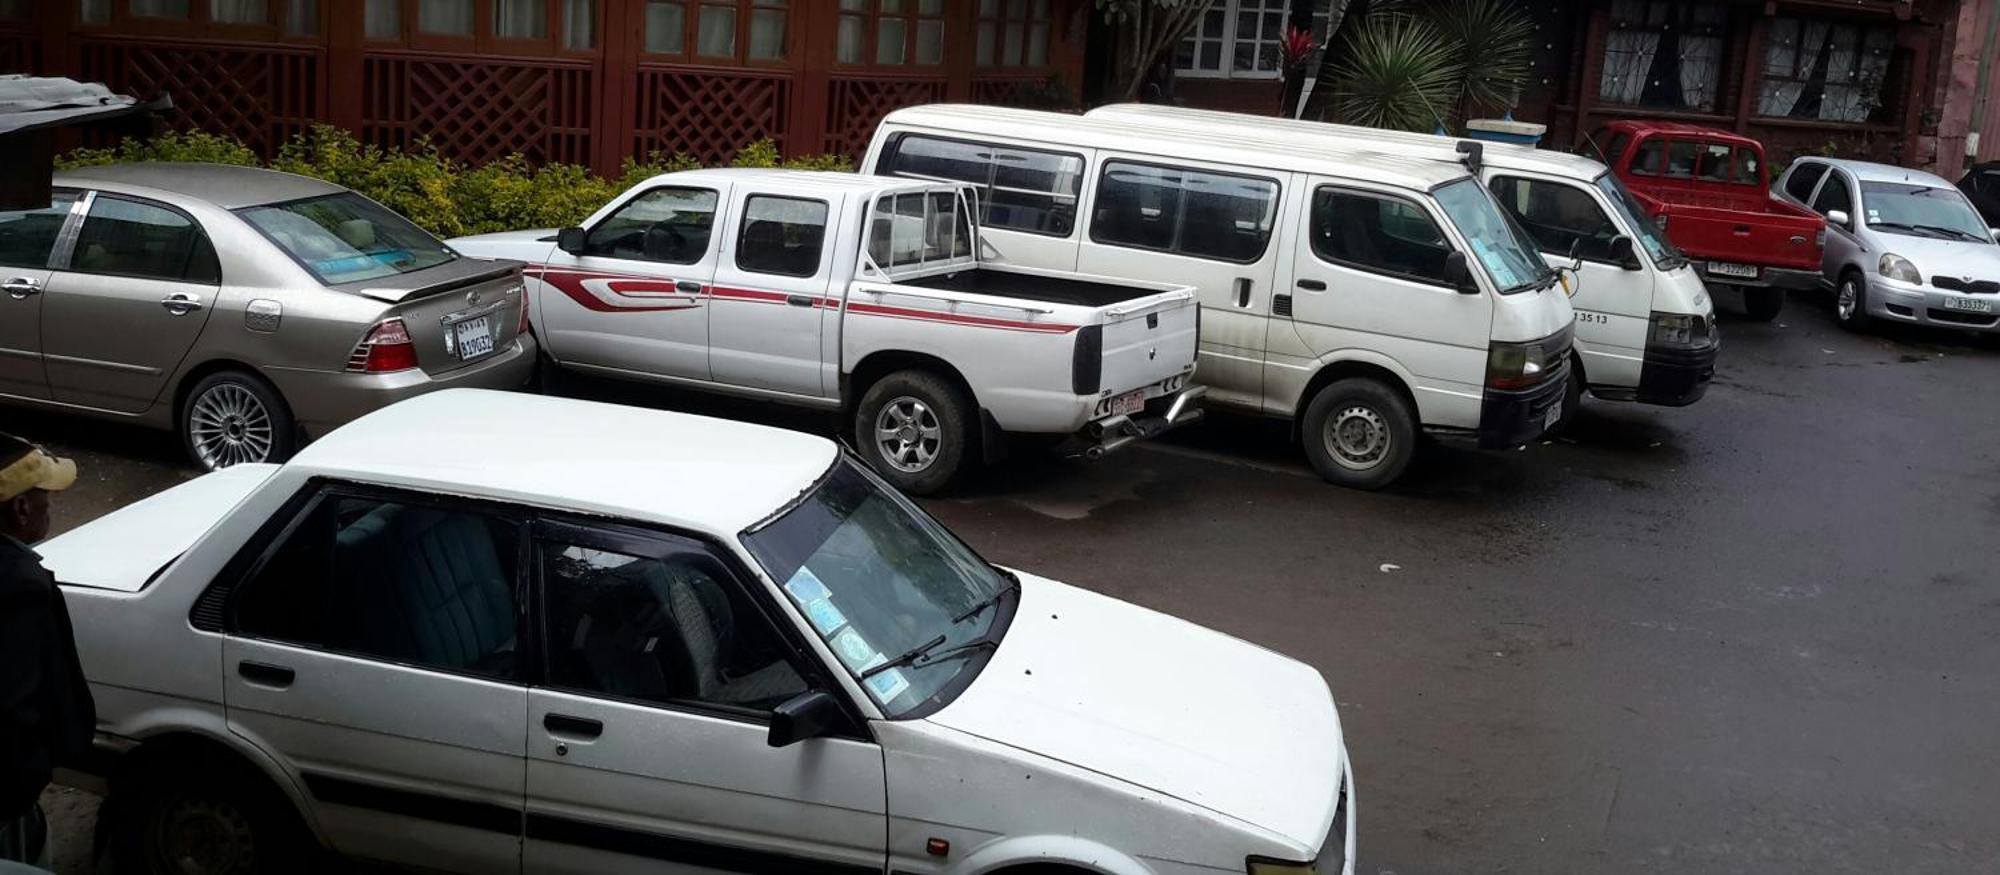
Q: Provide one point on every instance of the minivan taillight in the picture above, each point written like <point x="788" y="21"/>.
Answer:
<point x="386" y="348"/>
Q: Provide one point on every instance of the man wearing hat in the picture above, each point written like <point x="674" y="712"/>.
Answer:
<point x="46" y="715"/>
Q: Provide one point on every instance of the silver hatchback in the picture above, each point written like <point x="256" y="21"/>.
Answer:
<point x="246" y="309"/>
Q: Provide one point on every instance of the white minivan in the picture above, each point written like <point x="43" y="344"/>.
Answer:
<point x="1645" y="327"/>
<point x="1363" y="295"/>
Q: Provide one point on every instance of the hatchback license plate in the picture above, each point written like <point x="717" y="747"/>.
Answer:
<point x="1724" y="268"/>
<point x="1128" y="403"/>
<point x="474" y="336"/>
<point x="1968" y="305"/>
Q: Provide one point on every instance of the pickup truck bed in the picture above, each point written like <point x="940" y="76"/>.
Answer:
<point x="1748" y="229"/>
<point x="1051" y="289"/>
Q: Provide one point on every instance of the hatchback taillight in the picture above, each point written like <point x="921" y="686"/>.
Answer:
<point x="386" y="348"/>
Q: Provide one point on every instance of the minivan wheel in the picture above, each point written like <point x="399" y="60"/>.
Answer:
<point x="1763" y="305"/>
<point x="233" y="417"/>
<point x="1850" y="302"/>
<point x="1359" y="433"/>
<point x="913" y="428"/>
<point x="203" y="818"/>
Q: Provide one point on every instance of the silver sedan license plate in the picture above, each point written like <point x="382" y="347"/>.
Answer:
<point x="1724" y="268"/>
<point x="1968" y="305"/>
<point x="474" y="337"/>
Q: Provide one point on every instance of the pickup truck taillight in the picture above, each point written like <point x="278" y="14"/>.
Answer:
<point x="387" y="348"/>
<point x="1086" y="370"/>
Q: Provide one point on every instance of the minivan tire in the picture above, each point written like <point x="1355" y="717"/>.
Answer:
<point x="204" y="815"/>
<point x="1851" y="315"/>
<point x="1763" y="305"/>
<point x="232" y="417"/>
<point x="914" y="428"/>
<point x="1360" y="433"/>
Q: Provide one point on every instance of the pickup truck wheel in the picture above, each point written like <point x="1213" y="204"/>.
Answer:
<point x="1359" y="433"/>
<point x="1850" y="302"/>
<point x="913" y="428"/>
<point x="233" y="417"/>
<point x="1763" y="304"/>
<point x="203" y="818"/>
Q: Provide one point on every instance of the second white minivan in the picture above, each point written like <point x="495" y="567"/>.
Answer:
<point x="1365" y="296"/>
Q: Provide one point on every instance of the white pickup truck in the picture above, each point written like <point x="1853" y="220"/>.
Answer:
<point x="861" y="294"/>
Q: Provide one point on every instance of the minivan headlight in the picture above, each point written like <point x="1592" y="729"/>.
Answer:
<point x="1275" y="867"/>
<point x="1900" y="269"/>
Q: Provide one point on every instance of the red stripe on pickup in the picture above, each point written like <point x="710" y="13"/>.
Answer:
<point x="571" y="283"/>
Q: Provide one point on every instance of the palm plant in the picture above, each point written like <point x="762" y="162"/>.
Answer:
<point x="1493" y="46"/>
<point x="1398" y="71"/>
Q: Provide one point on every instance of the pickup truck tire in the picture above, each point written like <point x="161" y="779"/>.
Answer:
<point x="914" y="428"/>
<point x="1763" y="305"/>
<point x="1850" y="302"/>
<point x="1359" y="433"/>
<point x="203" y="814"/>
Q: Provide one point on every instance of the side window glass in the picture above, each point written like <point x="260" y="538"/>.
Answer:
<point x="1559" y="217"/>
<point x="1651" y="159"/>
<point x="1217" y="216"/>
<point x="665" y="225"/>
<point x="405" y="583"/>
<point x="781" y="235"/>
<point x="1800" y="185"/>
<point x="671" y="629"/>
<point x="1375" y="233"/>
<point x="1834" y="196"/>
<point x="1618" y="145"/>
<point x="1680" y="160"/>
<point x="28" y="237"/>
<point x="1019" y="189"/>
<point x="128" y="238"/>
<point x="1715" y="165"/>
<point x="1749" y="167"/>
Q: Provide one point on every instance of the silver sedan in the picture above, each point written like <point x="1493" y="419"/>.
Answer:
<point x="246" y="309"/>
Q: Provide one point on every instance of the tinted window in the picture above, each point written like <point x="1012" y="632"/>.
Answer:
<point x="406" y="583"/>
<point x="1800" y="184"/>
<point x="665" y="225"/>
<point x="781" y="235"/>
<point x="1715" y="165"/>
<point x="129" y="238"/>
<point x="347" y="238"/>
<point x="1749" y="166"/>
<point x="1561" y="218"/>
<point x="1651" y="158"/>
<point x="1218" y="216"/>
<point x="1680" y="160"/>
<point x="28" y="236"/>
<point x="1834" y="196"/>
<point x="671" y="626"/>
<point x="1019" y="189"/>
<point x="1372" y="232"/>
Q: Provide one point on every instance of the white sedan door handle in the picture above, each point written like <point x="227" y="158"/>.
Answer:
<point x="181" y="303"/>
<point x="21" y="288"/>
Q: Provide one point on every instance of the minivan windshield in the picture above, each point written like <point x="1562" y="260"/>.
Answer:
<point x="1643" y="228"/>
<point x="905" y="606"/>
<point x="1921" y="210"/>
<point x="345" y="238"/>
<point x="1502" y="246"/>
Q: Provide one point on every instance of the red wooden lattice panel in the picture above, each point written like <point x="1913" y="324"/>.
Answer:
<point x="708" y="114"/>
<point x="19" y="53"/>
<point x="478" y="112"/>
<point x="260" y="95"/>
<point x="855" y="106"/>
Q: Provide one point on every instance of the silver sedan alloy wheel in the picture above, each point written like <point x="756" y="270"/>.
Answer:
<point x="1357" y="438"/>
<point x="229" y="425"/>
<point x="908" y="433"/>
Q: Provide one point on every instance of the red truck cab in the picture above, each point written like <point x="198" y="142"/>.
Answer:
<point x="1712" y="193"/>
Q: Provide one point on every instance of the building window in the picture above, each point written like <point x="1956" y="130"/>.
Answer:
<point x="301" y="17"/>
<point x="382" y="19"/>
<point x="1664" y="55"/>
<point x="449" y="17"/>
<point x="891" y="32"/>
<point x="1821" y="70"/>
<point x="1013" y="33"/>
<point x="1241" y="39"/>
<point x="239" y="11"/>
<point x="94" y="12"/>
<point x="159" y="8"/>
<point x="733" y="30"/>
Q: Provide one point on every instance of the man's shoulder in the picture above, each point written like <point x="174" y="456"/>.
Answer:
<point x="22" y="574"/>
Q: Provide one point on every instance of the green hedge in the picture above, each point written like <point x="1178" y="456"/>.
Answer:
<point x="446" y="197"/>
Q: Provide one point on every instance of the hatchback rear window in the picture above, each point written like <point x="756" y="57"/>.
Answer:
<point x="345" y="238"/>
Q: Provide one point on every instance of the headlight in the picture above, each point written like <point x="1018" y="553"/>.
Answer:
<point x="1900" y="269"/>
<point x="1673" y="329"/>
<point x="1275" y="867"/>
<point x="1521" y="365"/>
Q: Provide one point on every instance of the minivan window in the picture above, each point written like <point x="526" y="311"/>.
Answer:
<point x="1199" y="213"/>
<point x="1562" y="218"/>
<point x="1377" y="233"/>
<point x="345" y="238"/>
<point x="27" y="237"/>
<point x="1800" y="184"/>
<point x="1502" y="247"/>
<point x="1027" y="190"/>
<point x="128" y="238"/>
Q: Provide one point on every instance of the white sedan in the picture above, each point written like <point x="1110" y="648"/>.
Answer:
<point x="483" y="632"/>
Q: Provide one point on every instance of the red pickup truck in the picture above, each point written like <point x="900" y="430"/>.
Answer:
<point x="1710" y="190"/>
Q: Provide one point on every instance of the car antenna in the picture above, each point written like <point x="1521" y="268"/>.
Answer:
<point x="1473" y="152"/>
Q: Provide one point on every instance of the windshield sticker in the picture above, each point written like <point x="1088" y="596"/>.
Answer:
<point x="806" y="586"/>
<point x="824" y="616"/>
<point x="1503" y="273"/>
<point x="887" y="685"/>
<point x="855" y="651"/>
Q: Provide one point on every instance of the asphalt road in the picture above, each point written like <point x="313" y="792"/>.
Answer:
<point x="1759" y="634"/>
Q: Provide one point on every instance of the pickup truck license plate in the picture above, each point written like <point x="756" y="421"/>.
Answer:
<point x="1552" y="417"/>
<point x="474" y="336"/>
<point x="1128" y="403"/>
<point x="1968" y="305"/>
<point x="1724" y="268"/>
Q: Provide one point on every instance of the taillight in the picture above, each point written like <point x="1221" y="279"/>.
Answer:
<point x="386" y="348"/>
<point x="523" y="327"/>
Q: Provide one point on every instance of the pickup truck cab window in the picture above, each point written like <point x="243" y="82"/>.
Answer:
<point x="1804" y="179"/>
<point x="1749" y="167"/>
<point x="133" y="238"/>
<point x="1680" y="160"/>
<point x="28" y="237"/>
<point x="1028" y="190"/>
<point x="665" y="225"/>
<point x="1650" y="159"/>
<point x="1198" y="213"/>
<point x="1562" y="218"/>
<point x="1715" y="162"/>
<point x="781" y="235"/>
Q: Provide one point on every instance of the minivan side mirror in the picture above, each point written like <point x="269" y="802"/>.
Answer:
<point x="1458" y="272"/>
<point x="1839" y="217"/>
<point x="810" y="714"/>
<point x="571" y="240"/>
<point x="1625" y="253"/>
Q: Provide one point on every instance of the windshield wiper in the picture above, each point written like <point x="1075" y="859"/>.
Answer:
<point x="1955" y="232"/>
<point x="923" y="652"/>
<point x="1013" y="583"/>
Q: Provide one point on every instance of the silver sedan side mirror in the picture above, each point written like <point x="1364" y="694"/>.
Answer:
<point x="1838" y="217"/>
